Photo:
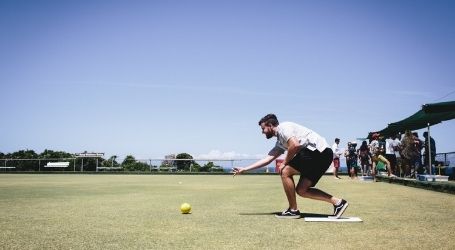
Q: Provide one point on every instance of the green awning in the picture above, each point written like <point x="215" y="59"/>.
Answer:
<point x="430" y="114"/>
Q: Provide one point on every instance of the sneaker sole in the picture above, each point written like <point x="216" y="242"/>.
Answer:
<point x="341" y="212"/>
<point x="287" y="216"/>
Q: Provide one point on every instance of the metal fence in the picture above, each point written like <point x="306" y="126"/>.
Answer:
<point x="445" y="164"/>
<point x="119" y="165"/>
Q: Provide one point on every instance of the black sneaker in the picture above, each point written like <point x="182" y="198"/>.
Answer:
<point x="289" y="214"/>
<point x="338" y="210"/>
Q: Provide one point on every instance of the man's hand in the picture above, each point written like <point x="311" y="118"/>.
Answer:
<point x="237" y="171"/>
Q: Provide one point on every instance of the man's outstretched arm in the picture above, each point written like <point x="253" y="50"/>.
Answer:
<point x="273" y="154"/>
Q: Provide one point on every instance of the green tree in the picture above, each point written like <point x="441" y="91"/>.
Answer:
<point x="50" y="154"/>
<point x="206" y="167"/>
<point x="211" y="167"/>
<point x="24" y="154"/>
<point x="131" y="164"/>
<point x="195" y="167"/>
<point x="111" y="162"/>
<point x="57" y="155"/>
<point x="89" y="163"/>
<point x="24" y="165"/>
<point x="181" y="164"/>
<point x="129" y="159"/>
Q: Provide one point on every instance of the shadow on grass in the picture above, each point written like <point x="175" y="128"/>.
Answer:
<point x="302" y="215"/>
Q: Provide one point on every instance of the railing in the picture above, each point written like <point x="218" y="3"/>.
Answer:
<point x="445" y="164"/>
<point x="143" y="165"/>
<point x="447" y="159"/>
<point x="17" y="165"/>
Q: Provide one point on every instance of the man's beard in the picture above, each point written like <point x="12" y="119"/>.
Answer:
<point x="269" y="135"/>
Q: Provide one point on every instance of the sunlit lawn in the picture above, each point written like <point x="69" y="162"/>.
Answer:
<point x="142" y="212"/>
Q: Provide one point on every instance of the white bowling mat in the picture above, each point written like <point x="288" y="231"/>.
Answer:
<point x="329" y="219"/>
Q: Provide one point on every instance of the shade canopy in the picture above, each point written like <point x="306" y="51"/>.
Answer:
<point x="430" y="114"/>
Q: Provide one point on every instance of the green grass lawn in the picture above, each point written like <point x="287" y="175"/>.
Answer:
<point x="142" y="212"/>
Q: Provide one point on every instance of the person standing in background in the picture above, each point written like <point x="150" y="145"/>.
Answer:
<point x="409" y="153"/>
<point x="346" y="156"/>
<point x="390" y="153"/>
<point x="430" y="150"/>
<point x="365" y="157"/>
<point x="397" y="148"/>
<point x="336" y="157"/>
<point x="419" y="146"/>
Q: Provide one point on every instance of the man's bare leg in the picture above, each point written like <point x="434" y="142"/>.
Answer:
<point x="304" y="189"/>
<point x="287" y="179"/>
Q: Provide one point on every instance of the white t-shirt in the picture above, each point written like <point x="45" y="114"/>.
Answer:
<point x="397" y="144"/>
<point x="389" y="144"/>
<point x="306" y="137"/>
<point x="336" y="150"/>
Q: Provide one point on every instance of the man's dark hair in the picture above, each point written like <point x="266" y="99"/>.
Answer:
<point x="269" y="119"/>
<point x="337" y="139"/>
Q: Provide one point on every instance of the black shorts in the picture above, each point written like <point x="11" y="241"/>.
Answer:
<point x="392" y="159"/>
<point x="312" y="164"/>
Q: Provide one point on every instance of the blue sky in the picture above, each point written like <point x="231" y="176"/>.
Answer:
<point x="151" y="78"/>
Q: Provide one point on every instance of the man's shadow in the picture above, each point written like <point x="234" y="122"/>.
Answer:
<point x="302" y="215"/>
